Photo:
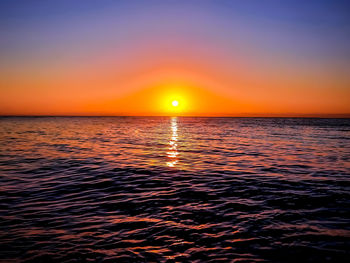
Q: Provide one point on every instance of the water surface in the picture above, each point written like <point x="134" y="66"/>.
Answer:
<point x="142" y="189"/>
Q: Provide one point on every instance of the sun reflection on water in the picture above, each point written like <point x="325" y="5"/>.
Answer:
<point x="172" y="152"/>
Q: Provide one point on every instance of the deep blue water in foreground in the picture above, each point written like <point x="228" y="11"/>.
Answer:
<point x="142" y="189"/>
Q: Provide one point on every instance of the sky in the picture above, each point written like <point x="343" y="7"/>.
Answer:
<point x="134" y="57"/>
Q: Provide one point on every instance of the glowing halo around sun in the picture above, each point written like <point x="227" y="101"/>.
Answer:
<point x="175" y="103"/>
<point x="173" y="100"/>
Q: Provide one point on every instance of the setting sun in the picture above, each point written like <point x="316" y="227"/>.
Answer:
<point x="174" y="99"/>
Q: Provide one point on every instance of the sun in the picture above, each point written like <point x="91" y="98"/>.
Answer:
<point x="175" y="103"/>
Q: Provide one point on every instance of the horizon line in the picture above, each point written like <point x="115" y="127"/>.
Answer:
<point x="318" y="116"/>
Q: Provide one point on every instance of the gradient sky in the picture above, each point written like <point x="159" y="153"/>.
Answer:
<point x="219" y="57"/>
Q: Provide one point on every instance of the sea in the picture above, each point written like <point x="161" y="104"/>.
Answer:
<point x="174" y="189"/>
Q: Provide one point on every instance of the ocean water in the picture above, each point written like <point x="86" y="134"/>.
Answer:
<point x="162" y="189"/>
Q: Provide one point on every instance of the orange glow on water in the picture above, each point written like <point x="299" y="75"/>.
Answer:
<point x="172" y="152"/>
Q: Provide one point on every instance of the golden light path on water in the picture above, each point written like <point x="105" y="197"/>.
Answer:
<point x="172" y="152"/>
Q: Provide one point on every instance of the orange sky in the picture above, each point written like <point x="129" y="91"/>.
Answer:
<point x="144" y="88"/>
<point x="91" y="68"/>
